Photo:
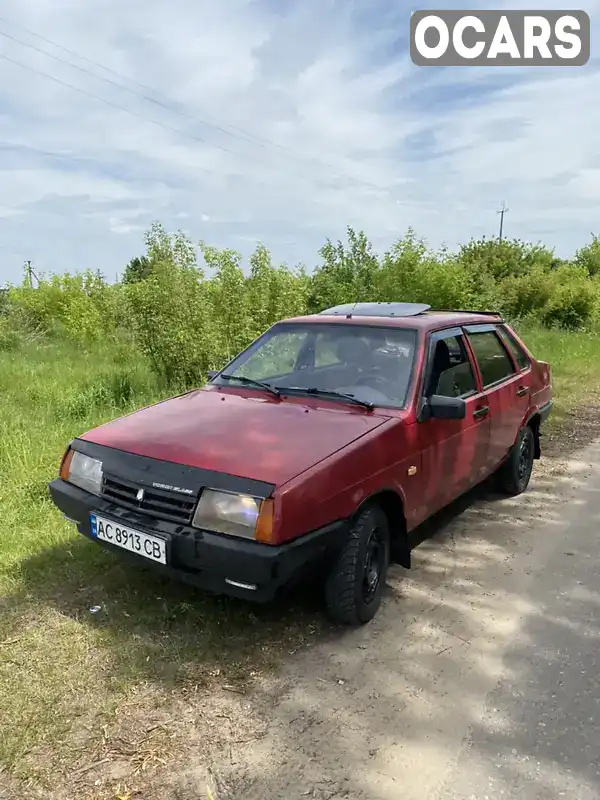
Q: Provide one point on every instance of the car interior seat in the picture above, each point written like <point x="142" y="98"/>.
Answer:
<point x="441" y="362"/>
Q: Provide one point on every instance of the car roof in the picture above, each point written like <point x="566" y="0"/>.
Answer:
<point x="398" y="315"/>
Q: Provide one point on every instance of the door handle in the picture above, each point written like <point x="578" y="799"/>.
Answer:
<point x="522" y="391"/>
<point x="482" y="411"/>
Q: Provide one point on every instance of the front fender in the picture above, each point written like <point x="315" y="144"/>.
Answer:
<point x="336" y="487"/>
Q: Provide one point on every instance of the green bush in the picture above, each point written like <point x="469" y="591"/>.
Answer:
<point x="588" y="257"/>
<point x="184" y="318"/>
<point x="170" y="311"/>
<point x="573" y="299"/>
<point x="508" y="258"/>
<point x="348" y="273"/>
<point x="525" y="296"/>
<point x="563" y="297"/>
<point x="79" y="307"/>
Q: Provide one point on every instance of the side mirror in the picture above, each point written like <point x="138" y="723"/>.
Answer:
<point x="212" y="373"/>
<point x="439" y="407"/>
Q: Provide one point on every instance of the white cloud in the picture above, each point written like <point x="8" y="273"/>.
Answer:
<point x="294" y="120"/>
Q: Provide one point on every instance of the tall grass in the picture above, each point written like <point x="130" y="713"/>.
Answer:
<point x="68" y="675"/>
<point x="575" y="361"/>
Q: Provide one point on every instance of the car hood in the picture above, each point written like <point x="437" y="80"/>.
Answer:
<point x="257" y="437"/>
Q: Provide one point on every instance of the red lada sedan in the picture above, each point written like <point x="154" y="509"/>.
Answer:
<point x="315" y="453"/>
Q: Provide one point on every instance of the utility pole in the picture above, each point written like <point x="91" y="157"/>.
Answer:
<point x="29" y="272"/>
<point x="502" y="212"/>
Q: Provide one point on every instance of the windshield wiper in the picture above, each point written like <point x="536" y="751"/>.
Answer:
<point x="251" y="382"/>
<point x="327" y="393"/>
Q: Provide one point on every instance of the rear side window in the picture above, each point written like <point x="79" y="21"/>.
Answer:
<point x="494" y="362"/>
<point x="515" y="348"/>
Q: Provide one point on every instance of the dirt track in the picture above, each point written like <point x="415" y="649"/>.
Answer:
<point x="401" y="707"/>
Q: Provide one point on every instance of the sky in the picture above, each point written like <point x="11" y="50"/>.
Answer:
<point x="276" y="121"/>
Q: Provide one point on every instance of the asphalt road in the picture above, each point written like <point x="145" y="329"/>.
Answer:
<point x="479" y="680"/>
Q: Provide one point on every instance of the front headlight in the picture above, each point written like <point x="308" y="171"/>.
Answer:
<point x="234" y="514"/>
<point x="83" y="471"/>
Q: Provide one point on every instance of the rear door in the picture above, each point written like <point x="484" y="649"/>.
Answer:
<point x="454" y="451"/>
<point x="506" y="386"/>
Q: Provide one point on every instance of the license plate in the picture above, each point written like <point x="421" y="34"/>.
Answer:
<point x="138" y="542"/>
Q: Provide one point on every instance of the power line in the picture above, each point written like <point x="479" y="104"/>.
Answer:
<point x="120" y="107"/>
<point x="123" y="108"/>
<point x="38" y="151"/>
<point x="154" y="121"/>
<point x="251" y="137"/>
<point x="101" y="78"/>
<point x="240" y="133"/>
<point x="502" y="212"/>
<point x="110" y="103"/>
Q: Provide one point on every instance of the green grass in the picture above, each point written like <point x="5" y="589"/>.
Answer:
<point x="575" y="362"/>
<point x="68" y="678"/>
<point x="79" y="687"/>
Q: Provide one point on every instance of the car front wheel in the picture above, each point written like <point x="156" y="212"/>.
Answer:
<point x="356" y="580"/>
<point x="514" y="474"/>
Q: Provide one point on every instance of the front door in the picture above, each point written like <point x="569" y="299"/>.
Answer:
<point x="454" y="451"/>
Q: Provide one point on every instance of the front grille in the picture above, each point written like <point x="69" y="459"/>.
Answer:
<point x="155" y="503"/>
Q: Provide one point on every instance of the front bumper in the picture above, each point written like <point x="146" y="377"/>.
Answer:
<point x="204" y="558"/>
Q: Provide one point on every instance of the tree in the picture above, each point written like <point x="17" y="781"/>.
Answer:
<point x="508" y="258"/>
<point x="348" y="273"/>
<point x="589" y="257"/>
<point x="138" y="269"/>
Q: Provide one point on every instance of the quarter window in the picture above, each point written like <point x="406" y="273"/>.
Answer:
<point x="515" y="348"/>
<point x="451" y="374"/>
<point x="493" y="360"/>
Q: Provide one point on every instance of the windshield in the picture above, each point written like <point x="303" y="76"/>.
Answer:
<point x="370" y="364"/>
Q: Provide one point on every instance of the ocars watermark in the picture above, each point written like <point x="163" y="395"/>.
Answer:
<point x="500" y="38"/>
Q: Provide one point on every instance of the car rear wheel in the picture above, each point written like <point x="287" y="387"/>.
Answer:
<point x="515" y="473"/>
<point x="355" y="583"/>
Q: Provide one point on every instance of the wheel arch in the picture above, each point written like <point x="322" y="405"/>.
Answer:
<point x="534" y="422"/>
<point x="392" y="504"/>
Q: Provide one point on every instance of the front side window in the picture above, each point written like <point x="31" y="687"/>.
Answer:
<point x="494" y="362"/>
<point x="451" y="373"/>
<point x="371" y="364"/>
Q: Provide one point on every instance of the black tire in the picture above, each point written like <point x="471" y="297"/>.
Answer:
<point x="514" y="475"/>
<point x="355" y="582"/>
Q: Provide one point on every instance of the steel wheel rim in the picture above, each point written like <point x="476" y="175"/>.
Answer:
<point x="373" y="565"/>
<point x="524" y="464"/>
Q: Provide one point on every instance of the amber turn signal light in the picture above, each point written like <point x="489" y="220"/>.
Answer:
<point x="264" y="524"/>
<point x="65" y="465"/>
